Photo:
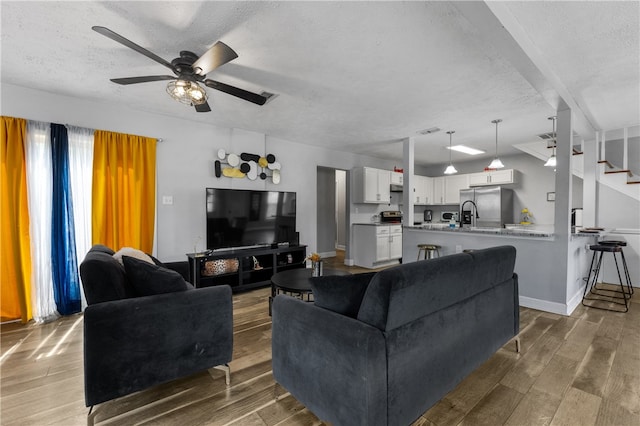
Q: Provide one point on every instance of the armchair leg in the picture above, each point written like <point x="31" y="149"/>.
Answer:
<point x="517" y="339"/>
<point x="227" y="372"/>
<point x="91" y="415"/>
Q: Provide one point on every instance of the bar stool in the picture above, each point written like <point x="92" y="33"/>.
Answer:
<point x="430" y="250"/>
<point x="621" y="243"/>
<point x="592" y="292"/>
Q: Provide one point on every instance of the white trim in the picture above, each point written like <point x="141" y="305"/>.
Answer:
<point x="326" y="254"/>
<point x="544" y="305"/>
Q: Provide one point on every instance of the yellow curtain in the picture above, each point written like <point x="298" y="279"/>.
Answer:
<point x="124" y="190"/>
<point x="15" y="249"/>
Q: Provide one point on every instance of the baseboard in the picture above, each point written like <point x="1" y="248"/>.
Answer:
<point x="326" y="254"/>
<point x="349" y="262"/>
<point x="545" y="305"/>
<point x="341" y="247"/>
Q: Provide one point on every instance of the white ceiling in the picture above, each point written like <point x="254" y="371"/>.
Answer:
<point x="353" y="76"/>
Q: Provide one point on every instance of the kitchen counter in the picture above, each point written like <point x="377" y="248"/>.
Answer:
<point x="539" y="232"/>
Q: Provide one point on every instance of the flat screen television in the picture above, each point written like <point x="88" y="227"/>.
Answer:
<point x="239" y="218"/>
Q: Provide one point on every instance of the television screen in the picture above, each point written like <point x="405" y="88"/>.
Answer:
<point x="241" y="218"/>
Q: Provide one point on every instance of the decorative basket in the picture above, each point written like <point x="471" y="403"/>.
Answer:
<point x="219" y="267"/>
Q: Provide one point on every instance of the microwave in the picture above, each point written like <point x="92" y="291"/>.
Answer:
<point x="447" y="216"/>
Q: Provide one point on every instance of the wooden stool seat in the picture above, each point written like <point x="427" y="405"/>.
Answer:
<point x="430" y="250"/>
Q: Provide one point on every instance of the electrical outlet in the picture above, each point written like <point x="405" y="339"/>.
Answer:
<point x="167" y="200"/>
<point x="458" y="248"/>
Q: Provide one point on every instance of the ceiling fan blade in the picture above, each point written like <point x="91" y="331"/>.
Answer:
<point x="202" y="107"/>
<point x="234" y="91"/>
<point x="117" y="37"/>
<point x="218" y="54"/>
<point x="144" y="79"/>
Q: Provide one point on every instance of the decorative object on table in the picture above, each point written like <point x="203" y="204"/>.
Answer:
<point x="256" y="264"/>
<point x="247" y="165"/>
<point x="219" y="266"/>
<point x="525" y="218"/>
<point x="316" y="264"/>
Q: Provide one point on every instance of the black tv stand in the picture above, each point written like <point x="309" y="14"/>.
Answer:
<point x="270" y="261"/>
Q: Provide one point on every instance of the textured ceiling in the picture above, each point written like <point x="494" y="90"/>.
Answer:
<point x="354" y="76"/>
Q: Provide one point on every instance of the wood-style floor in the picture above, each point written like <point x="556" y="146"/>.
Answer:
<point x="578" y="370"/>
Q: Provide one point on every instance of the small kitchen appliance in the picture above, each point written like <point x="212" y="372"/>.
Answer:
<point x="391" y="216"/>
<point x="428" y="215"/>
<point x="447" y="216"/>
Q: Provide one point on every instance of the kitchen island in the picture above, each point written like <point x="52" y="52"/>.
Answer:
<point x="550" y="268"/>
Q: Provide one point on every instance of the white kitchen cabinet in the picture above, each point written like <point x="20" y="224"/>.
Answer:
<point x="371" y="185"/>
<point x="422" y="190"/>
<point x="376" y="245"/>
<point x="396" y="178"/>
<point x="493" y="177"/>
<point x="438" y="190"/>
<point x="452" y="186"/>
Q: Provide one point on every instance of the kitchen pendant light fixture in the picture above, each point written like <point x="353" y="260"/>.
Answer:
<point x="450" y="169"/>
<point x="496" y="163"/>
<point x="551" y="162"/>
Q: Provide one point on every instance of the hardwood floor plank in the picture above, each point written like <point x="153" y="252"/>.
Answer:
<point x="577" y="408"/>
<point x="557" y="376"/>
<point x="611" y="413"/>
<point x="594" y="369"/>
<point x="494" y="409"/>
<point x="578" y="342"/>
<point x="533" y="332"/>
<point x="535" y="409"/>
<point x="624" y="390"/>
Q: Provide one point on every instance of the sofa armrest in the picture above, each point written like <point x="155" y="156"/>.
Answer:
<point x="132" y="344"/>
<point x="335" y="365"/>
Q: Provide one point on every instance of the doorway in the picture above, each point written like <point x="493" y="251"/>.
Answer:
<point x="332" y="211"/>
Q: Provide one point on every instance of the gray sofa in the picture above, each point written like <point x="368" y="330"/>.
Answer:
<point x="382" y="348"/>
<point x="144" y="325"/>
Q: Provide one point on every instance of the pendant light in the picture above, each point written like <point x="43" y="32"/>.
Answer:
<point x="450" y="169"/>
<point x="551" y="162"/>
<point x="496" y="163"/>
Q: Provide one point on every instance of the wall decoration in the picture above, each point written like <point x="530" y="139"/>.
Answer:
<point x="246" y="165"/>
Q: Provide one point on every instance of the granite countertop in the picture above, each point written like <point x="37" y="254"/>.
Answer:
<point x="378" y="223"/>
<point x="542" y="231"/>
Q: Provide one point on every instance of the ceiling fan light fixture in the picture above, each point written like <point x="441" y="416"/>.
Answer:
<point x="450" y="170"/>
<point x="496" y="163"/>
<point x="187" y="92"/>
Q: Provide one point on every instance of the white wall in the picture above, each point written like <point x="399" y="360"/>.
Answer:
<point x="185" y="161"/>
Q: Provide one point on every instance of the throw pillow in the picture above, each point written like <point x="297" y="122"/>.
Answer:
<point x="340" y="293"/>
<point x="131" y="252"/>
<point x="148" y="279"/>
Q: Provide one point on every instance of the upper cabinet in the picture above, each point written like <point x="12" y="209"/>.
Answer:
<point x="422" y="190"/>
<point x="396" y="178"/>
<point x="452" y="186"/>
<point x="494" y="177"/>
<point x="371" y="185"/>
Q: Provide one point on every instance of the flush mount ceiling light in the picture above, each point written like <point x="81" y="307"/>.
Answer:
<point x="466" y="150"/>
<point x="496" y="163"/>
<point x="187" y="92"/>
<point x="551" y="162"/>
<point x="450" y="169"/>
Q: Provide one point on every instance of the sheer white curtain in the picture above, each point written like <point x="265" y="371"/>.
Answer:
<point x="80" y="176"/>
<point x="39" y="190"/>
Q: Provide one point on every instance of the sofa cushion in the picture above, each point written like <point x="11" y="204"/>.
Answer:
<point x="103" y="278"/>
<point x="148" y="278"/>
<point x="132" y="252"/>
<point x="340" y="293"/>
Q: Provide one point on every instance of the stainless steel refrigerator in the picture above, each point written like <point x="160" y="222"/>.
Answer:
<point x="492" y="206"/>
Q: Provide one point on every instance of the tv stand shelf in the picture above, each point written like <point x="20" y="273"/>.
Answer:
<point x="255" y="266"/>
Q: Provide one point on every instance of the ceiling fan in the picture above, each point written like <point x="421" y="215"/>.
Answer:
<point x="189" y="70"/>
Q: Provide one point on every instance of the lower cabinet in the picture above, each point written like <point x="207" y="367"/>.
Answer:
<point x="376" y="245"/>
<point x="243" y="269"/>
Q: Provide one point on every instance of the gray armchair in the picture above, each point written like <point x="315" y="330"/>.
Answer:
<point x="134" y="339"/>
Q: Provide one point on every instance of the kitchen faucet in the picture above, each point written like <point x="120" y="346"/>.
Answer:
<point x="462" y="212"/>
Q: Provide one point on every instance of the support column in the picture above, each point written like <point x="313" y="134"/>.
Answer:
<point x="564" y="146"/>
<point x="590" y="182"/>
<point x="408" y="148"/>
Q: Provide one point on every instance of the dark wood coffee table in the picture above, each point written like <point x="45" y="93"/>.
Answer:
<point x="295" y="282"/>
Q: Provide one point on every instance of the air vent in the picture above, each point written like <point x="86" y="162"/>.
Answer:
<point x="546" y="136"/>
<point x="429" y="131"/>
